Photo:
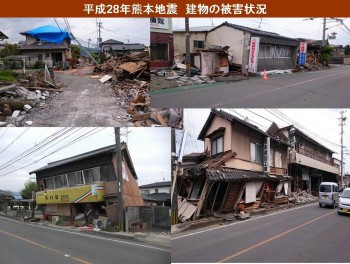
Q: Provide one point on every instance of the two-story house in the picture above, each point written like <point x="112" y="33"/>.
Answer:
<point x="243" y="167"/>
<point x="310" y="162"/>
<point x="87" y="183"/>
<point x="157" y="192"/>
<point x="48" y="44"/>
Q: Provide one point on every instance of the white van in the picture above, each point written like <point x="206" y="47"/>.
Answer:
<point x="328" y="194"/>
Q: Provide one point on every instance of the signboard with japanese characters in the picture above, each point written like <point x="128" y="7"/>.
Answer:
<point x="302" y="53"/>
<point x="159" y="22"/>
<point x="253" y="54"/>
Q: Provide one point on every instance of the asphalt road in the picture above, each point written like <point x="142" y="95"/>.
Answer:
<point x="301" y="234"/>
<point x="318" y="89"/>
<point x="27" y="243"/>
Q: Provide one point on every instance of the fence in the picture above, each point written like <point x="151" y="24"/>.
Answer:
<point x="147" y="216"/>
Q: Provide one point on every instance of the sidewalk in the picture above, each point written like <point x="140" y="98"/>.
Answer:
<point x="156" y="238"/>
<point x="178" y="228"/>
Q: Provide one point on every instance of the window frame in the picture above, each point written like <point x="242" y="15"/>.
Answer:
<point x="215" y="139"/>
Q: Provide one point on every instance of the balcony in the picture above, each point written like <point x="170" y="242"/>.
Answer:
<point x="308" y="158"/>
<point x="278" y="171"/>
<point x="314" y="156"/>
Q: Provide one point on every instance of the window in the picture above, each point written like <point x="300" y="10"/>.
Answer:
<point x="255" y="152"/>
<point x="58" y="182"/>
<point x="107" y="173"/>
<point x="217" y="145"/>
<point x="145" y="192"/>
<point x="79" y="177"/>
<point x="156" y="190"/>
<point x="199" y="44"/>
<point x="49" y="184"/>
<point x="88" y="176"/>
<point x="159" y="51"/>
<point x="72" y="179"/>
<point x="274" y="52"/>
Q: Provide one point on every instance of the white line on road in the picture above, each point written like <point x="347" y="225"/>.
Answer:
<point x="245" y="221"/>
<point x="85" y="235"/>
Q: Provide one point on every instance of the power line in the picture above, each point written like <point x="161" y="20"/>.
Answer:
<point x="15" y="140"/>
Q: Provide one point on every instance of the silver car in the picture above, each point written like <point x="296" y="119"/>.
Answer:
<point x="344" y="202"/>
<point x="328" y="194"/>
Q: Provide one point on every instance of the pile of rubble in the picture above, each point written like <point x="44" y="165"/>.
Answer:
<point x="171" y="117"/>
<point x="184" y="81"/>
<point x="19" y="99"/>
<point x="312" y="63"/>
<point x="303" y="197"/>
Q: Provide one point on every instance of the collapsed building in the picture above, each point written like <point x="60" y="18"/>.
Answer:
<point x="86" y="185"/>
<point x="244" y="168"/>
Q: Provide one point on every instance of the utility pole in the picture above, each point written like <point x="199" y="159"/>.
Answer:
<point x="99" y="39"/>
<point x="324" y="33"/>
<point x="119" y="179"/>
<point x="188" y="56"/>
<point x="342" y="124"/>
<point x="89" y="43"/>
<point x="174" y="168"/>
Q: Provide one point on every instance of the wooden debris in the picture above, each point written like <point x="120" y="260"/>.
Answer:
<point x="17" y="104"/>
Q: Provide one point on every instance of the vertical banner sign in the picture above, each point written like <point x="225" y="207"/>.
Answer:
<point x="267" y="154"/>
<point x="302" y="53"/>
<point x="125" y="174"/>
<point x="292" y="137"/>
<point x="253" y="54"/>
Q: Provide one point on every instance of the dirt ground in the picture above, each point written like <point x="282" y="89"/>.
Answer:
<point x="83" y="102"/>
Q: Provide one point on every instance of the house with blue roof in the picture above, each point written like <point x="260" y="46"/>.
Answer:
<point x="48" y="44"/>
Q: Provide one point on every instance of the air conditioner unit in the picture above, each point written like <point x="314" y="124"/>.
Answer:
<point x="100" y="223"/>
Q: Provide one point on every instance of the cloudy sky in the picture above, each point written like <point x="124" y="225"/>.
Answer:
<point x="149" y="149"/>
<point x="320" y="124"/>
<point x="289" y="27"/>
<point x="132" y="30"/>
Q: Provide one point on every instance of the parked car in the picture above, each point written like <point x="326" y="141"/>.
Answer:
<point x="328" y="194"/>
<point x="344" y="202"/>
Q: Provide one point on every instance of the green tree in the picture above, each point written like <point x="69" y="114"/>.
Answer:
<point x="75" y="51"/>
<point x="29" y="187"/>
<point x="325" y="54"/>
<point x="8" y="50"/>
<point x="347" y="50"/>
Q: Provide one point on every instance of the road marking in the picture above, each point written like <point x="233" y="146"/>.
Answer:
<point x="274" y="90"/>
<point x="242" y="222"/>
<point x="45" y="247"/>
<point x="97" y="237"/>
<point x="271" y="239"/>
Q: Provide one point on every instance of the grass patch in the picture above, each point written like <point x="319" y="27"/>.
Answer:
<point x="8" y="76"/>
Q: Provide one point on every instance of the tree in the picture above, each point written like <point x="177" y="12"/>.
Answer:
<point x="29" y="187"/>
<point x="347" y="50"/>
<point x="9" y="50"/>
<point x="325" y="54"/>
<point x="75" y="51"/>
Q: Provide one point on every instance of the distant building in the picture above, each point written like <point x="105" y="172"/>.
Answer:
<point x="162" y="44"/>
<point x="158" y="192"/>
<point x="3" y="36"/>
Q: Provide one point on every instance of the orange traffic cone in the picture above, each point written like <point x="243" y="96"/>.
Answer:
<point x="264" y="76"/>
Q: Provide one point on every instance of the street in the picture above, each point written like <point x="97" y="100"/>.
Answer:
<point x="326" y="88"/>
<point x="301" y="234"/>
<point x="83" y="102"/>
<point x="29" y="243"/>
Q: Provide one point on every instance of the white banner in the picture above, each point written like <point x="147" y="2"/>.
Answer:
<point x="253" y="54"/>
<point x="303" y="47"/>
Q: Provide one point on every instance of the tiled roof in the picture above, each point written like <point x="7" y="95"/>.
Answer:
<point x="156" y="184"/>
<point x="229" y="174"/>
<point x="123" y="47"/>
<point x="159" y="197"/>
<point x="110" y="41"/>
<point x="97" y="152"/>
<point x="43" y="46"/>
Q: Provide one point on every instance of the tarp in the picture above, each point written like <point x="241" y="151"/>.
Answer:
<point x="49" y="33"/>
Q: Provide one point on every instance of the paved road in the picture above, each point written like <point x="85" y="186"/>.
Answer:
<point x="327" y="88"/>
<point x="26" y="243"/>
<point x="301" y="234"/>
<point x="83" y="102"/>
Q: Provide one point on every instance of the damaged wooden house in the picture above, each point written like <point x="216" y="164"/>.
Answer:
<point x="86" y="185"/>
<point x="242" y="168"/>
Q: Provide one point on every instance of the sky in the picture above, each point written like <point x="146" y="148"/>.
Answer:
<point x="322" y="125"/>
<point x="289" y="27"/>
<point x="149" y="150"/>
<point x="132" y="30"/>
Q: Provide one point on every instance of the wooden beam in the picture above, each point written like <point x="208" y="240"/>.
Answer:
<point x="225" y="196"/>
<point x="239" y="196"/>
<point x="202" y="197"/>
<point x="216" y="194"/>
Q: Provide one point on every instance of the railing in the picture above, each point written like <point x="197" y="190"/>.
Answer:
<point x="314" y="156"/>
